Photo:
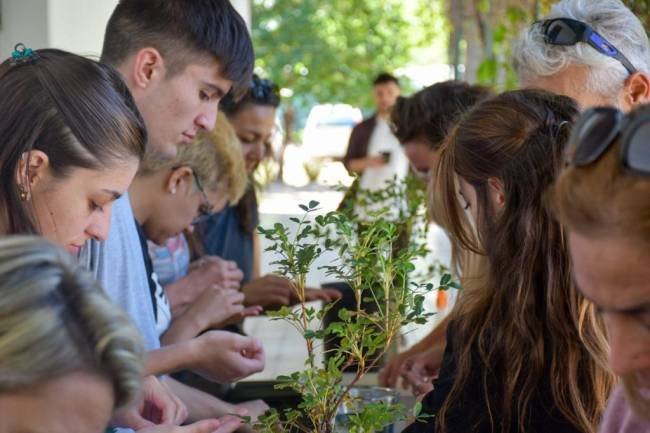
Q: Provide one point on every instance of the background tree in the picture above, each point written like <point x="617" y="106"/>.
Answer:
<point x="329" y="51"/>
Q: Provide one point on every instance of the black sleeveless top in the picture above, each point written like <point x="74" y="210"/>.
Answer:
<point x="466" y="414"/>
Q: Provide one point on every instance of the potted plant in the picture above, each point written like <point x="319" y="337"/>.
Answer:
<point x="379" y="272"/>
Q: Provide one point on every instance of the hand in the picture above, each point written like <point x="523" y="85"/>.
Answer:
<point x="390" y="374"/>
<point x="254" y="408"/>
<point x="217" y="307"/>
<point x="419" y="370"/>
<point x="325" y="295"/>
<point x="158" y="405"/>
<point x="375" y="161"/>
<point x="204" y="273"/>
<point x="273" y="291"/>
<point x="269" y="291"/>
<point x="216" y="270"/>
<point x="226" y="424"/>
<point x="224" y="357"/>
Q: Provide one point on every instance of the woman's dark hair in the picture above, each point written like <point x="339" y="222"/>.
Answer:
<point x="180" y="30"/>
<point x="77" y="111"/>
<point x="527" y="334"/>
<point x="430" y="113"/>
<point x="259" y="92"/>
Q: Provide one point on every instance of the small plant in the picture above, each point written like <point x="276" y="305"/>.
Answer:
<point x="378" y="270"/>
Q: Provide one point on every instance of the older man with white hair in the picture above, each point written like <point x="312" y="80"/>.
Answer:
<point x="595" y="51"/>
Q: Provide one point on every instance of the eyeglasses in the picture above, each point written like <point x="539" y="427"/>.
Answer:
<point x="565" y="32"/>
<point x="205" y="208"/>
<point x="600" y="127"/>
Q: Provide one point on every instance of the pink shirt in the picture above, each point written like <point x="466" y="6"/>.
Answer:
<point x="619" y="417"/>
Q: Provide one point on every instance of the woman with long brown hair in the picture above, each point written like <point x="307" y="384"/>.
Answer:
<point x="526" y="352"/>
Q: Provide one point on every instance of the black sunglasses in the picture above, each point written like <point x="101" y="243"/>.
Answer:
<point x="600" y="127"/>
<point x="261" y="89"/>
<point x="565" y="31"/>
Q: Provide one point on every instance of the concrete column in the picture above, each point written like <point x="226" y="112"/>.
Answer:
<point x="244" y="9"/>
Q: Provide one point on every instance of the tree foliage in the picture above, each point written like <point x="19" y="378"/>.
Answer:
<point x="642" y="9"/>
<point x="329" y="50"/>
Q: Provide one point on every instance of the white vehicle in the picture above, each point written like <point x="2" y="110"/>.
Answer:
<point x="328" y="129"/>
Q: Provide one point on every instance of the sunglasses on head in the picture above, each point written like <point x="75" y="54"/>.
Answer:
<point x="599" y="128"/>
<point x="262" y="89"/>
<point x="565" y="31"/>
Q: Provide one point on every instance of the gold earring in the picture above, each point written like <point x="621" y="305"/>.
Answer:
<point x="24" y="194"/>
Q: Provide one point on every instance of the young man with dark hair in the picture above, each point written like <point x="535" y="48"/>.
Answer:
<point x="179" y="58"/>
<point x="374" y="154"/>
<point x="421" y="122"/>
<point x="361" y="155"/>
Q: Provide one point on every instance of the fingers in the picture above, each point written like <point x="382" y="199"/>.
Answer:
<point x="389" y="375"/>
<point x="132" y="419"/>
<point x="417" y="378"/>
<point x="325" y="295"/>
<point x="252" y="356"/>
<point x="228" y="424"/>
<point x="205" y="426"/>
<point x="180" y="413"/>
<point x="255" y="310"/>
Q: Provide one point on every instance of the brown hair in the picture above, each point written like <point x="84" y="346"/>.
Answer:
<point x="527" y="332"/>
<point x="77" y="111"/>
<point x="578" y="201"/>
<point x="430" y="113"/>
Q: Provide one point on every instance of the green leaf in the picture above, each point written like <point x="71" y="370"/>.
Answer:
<point x="313" y="204"/>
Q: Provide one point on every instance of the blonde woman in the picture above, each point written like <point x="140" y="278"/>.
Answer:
<point x="68" y="356"/>
<point x="168" y="197"/>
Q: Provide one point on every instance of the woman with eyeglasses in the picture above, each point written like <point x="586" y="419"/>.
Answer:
<point x="169" y="197"/>
<point x="526" y="352"/>
<point x="603" y="200"/>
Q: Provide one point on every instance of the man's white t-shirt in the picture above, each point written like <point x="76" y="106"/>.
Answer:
<point x="382" y="140"/>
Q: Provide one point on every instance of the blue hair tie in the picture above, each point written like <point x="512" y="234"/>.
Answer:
<point x="22" y="55"/>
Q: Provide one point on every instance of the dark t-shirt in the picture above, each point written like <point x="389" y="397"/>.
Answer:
<point x="466" y="412"/>
<point x="223" y="235"/>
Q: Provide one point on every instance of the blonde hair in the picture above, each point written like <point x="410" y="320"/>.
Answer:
<point x="214" y="156"/>
<point x="602" y="200"/>
<point x="56" y="320"/>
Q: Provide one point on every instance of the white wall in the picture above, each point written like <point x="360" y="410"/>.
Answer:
<point x="72" y="25"/>
<point x="78" y="25"/>
<point x="244" y="9"/>
<point x="22" y="21"/>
